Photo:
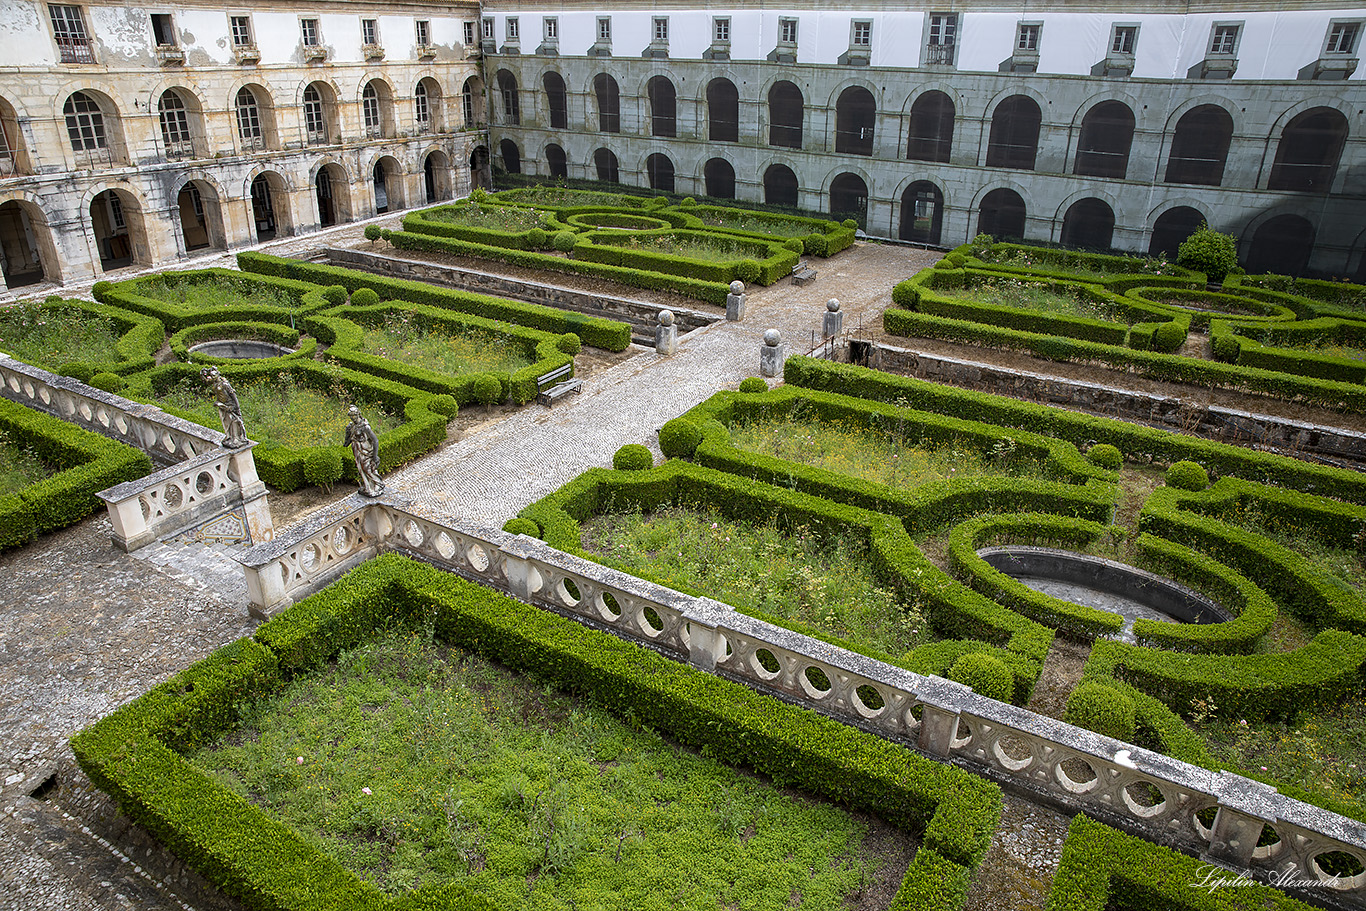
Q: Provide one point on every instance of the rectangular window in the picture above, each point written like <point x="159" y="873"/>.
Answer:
<point x="1028" y="37"/>
<point x="550" y="28"/>
<point x="422" y="32"/>
<point x="1342" y="38"/>
<point x="1224" y="40"/>
<point x="787" y="31"/>
<point x="469" y="33"/>
<point x="862" y="35"/>
<point x="308" y="30"/>
<point x="1123" y="40"/>
<point x="163" y="30"/>
<point x="661" y="30"/>
<point x="68" y="27"/>
<point x="943" y="29"/>
<point x="241" y="31"/>
<point x="512" y="30"/>
<point x="604" y="29"/>
<point x="720" y="30"/>
<point x="488" y="29"/>
<point x="369" y="31"/>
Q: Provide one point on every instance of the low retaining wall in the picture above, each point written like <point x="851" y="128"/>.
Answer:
<point x="1044" y="758"/>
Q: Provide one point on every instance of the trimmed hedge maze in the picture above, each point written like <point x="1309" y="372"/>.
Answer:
<point x="138" y="753"/>
<point x="690" y="249"/>
<point x="1300" y="341"/>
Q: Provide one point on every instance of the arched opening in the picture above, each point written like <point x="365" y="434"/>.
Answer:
<point x="428" y="113"/>
<point x="116" y="220"/>
<point x="556" y="162"/>
<point x="333" y="194"/>
<point x="786" y="110"/>
<point x="1308" y="153"/>
<point x="849" y="198"/>
<point x="481" y="172"/>
<point x="719" y="177"/>
<point x="13" y="158"/>
<point x="377" y="109"/>
<point x="663" y="106"/>
<point x="931" y="129"/>
<point x="512" y="156"/>
<point x="178" y="113"/>
<point x="201" y="217"/>
<point x="388" y="180"/>
<point x="1088" y="223"/>
<point x="609" y="103"/>
<point x="922" y="213"/>
<point x="510" y="106"/>
<point x="605" y="161"/>
<point x="1002" y="214"/>
<point x="1281" y="245"/>
<point x="472" y="101"/>
<point x="1014" y="138"/>
<point x="723" y="111"/>
<point x="270" y="206"/>
<point x="254" y="121"/>
<point x="556" y="99"/>
<point x="780" y="186"/>
<point x="1200" y="146"/>
<point x="26" y="251"/>
<point x="320" y="114"/>
<point x="436" y="176"/>
<point x="1171" y="228"/>
<point x="91" y="125"/>
<point x="1107" y="133"/>
<point x="855" y="112"/>
<point x="660" y="171"/>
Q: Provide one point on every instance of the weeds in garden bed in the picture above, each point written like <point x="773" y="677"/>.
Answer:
<point x="415" y="764"/>
<point x="1025" y="295"/>
<point x="211" y="294"/>
<point x="713" y="250"/>
<point x="49" y="338"/>
<point x="758" y="224"/>
<point x="19" y="467"/>
<point x="398" y="338"/>
<point x="500" y="218"/>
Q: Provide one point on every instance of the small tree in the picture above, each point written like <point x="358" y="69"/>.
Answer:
<point x="1209" y="252"/>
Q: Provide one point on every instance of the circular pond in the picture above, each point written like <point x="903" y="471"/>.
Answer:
<point x="1105" y="585"/>
<point x="240" y="349"/>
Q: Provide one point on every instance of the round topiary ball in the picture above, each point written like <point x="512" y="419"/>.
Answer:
<point x="564" y="241"/>
<point x="537" y="238"/>
<point x="521" y="526"/>
<point x="487" y="389"/>
<point x="794" y="244"/>
<point x="569" y="343"/>
<point x="753" y="384"/>
<point x="1105" y="456"/>
<point x="688" y="201"/>
<point x="109" y="382"/>
<point x="1185" y="475"/>
<point x="678" y="438"/>
<point x="323" y="466"/>
<point x="334" y="295"/>
<point x="444" y="405"/>
<point x="365" y="297"/>
<point x="100" y="289"/>
<point x="633" y="457"/>
<point x="373" y="232"/>
<point x="849" y="223"/>
<point x="747" y="270"/>
<point x="986" y="674"/>
<point x="1102" y="709"/>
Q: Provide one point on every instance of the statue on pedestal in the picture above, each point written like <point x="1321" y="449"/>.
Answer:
<point x="364" y="443"/>
<point x="229" y="409"/>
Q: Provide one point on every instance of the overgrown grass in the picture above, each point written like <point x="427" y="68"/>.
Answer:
<point x="398" y="338"/>
<point x="1026" y="295"/>
<point x="51" y="338"/>
<point x="826" y="582"/>
<point x="19" y="467"/>
<point x="1331" y="349"/>
<point x="551" y="196"/>
<point x="713" y="250"/>
<point x="280" y="412"/>
<point x="415" y="764"/>
<point x="500" y="218"/>
<point x="211" y="294"/>
<point x="758" y="224"/>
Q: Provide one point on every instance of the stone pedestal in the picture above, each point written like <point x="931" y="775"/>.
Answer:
<point x="772" y="354"/>
<point x="735" y="301"/>
<point x="833" y="323"/>
<point x="666" y="333"/>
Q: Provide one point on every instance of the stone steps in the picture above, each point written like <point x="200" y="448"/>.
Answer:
<point x="205" y="566"/>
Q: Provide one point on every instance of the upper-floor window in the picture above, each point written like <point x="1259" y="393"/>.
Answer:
<point x="68" y="27"/>
<point x="1223" y="40"/>
<point x="550" y="28"/>
<point x="1123" y="39"/>
<point x="512" y="30"/>
<point x="720" y="30"/>
<point x="941" y="39"/>
<point x="422" y="32"/>
<point x="1027" y="38"/>
<point x="787" y="31"/>
<point x="469" y="33"/>
<point x="315" y="124"/>
<point x="308" y="30"/>
<point x="488" y="28"/>
<point x="862" y="33"/>
<point x="1342" y="38"/>
<point x="604" y="29"/>
<point x="422" y="108"/>
<point x="175" y="125"/>
<point x="369" y="31"/>
<point x="249" y="119"/>
<point x="84" y="123"/>
<point x="369" y="104"/>
<point x="163" y="30"/>
<point x="660" y="32"/>
<point x="240" y="27"/>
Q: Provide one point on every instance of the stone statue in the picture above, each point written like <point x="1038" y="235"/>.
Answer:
<point x="229" y="409"/>
<point x="360" y="436"/>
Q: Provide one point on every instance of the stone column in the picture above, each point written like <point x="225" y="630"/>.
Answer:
<point x="772" y="354"/>
<point x="833" y="323"/>
<point x="666" y="333"/>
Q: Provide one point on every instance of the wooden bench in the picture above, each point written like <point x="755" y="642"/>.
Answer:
<point x="803" y="273"/>
<point x="556" y="384"/>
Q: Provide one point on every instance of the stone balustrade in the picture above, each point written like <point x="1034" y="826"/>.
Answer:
<point x="1047" y="760"/>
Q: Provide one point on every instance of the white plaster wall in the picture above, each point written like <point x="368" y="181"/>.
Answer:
<point x="25" y="38"/>
<point x="205" y="31"/>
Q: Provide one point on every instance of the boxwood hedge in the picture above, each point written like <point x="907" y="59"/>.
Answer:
<point x="305" y="297"/>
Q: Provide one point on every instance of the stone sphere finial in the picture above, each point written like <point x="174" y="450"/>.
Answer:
<point x="772" y="338"/>
<point x="737" y="287"/>
<point x="666" y="317"/>
<point x="833" y="305"/>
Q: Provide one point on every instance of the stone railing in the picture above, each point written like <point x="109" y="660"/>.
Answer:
<point x="1048" y="760"/>
<point x="200" y="479"/>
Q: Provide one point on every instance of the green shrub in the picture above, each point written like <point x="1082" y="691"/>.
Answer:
<point x="109" y="382"/>
<point x="688" y="202"/>
<point x="334" y="295"/>
<point x="487" y="389"/>
<point x="364" y="297"/>
<point x="521" y="526"/>
<point x="323" y="466"/>
<point x="564" y="240"/>
<point x="817" y="245"/>
<point x="1169" y="337"/>
<point x="850" y="223"/>
<point x="1185" y="475"/>
<point x="373" y="232"/>
<point x="1106" y="456"/>
<point x="747" y="271"/>
<point x="753" y="384"/>
<point x="1102" y="709"/>
<point x="986" y="674"/>
<point x="678" y="438"/>
<point x="633" y="457"/>
<point x="77" y="370"/>
<point x="795" y="244"/>
<point x="954" y="260"/>
<point x="100" y="289"/>
<point x="444" y="404"/>
<point x="537" y="238"/>
<point x="569" y="343"/>
<point x="980" y="247"/>
<point x="1209" y="252"/>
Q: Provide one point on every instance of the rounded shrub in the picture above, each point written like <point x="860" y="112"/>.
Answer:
<point x="906" y="295"/>
<point x="986" y="674"/>
<point x="77" y="370"/>
<point x="479" y="194"/>
<point x="660" y="201"/>
<point x="487" y="388"/>
<point x="537" y="238"/>
<point x="569" y="343"/>
<point x="849" y="223"/>
<point x="564" y="241"/>
<point x="521" y="526"/>
<point x="100" y="289"/>
<point x="444" y="405"/>
<point x="334" y="295"/>
<point x="1186" y="475"/>
<point x="373" y="232"/>
<point x="1209" y="252"/>
<point x="687" y="202"/>
<point x="753" y="384"/>
<point x="1227" y="348"/>
<point x="678" y="438"/>
<point x="817" y="245"/>
<point x="1102" y="709"/>
<point x="1103" y="455"/>
<point x="323" y="466"/>
<point x="109" y="382"/>
<point x="955" y="260"/>
<point x="747" y="270"/>
<point x="794" y="244"/>
<point x="633" y="457"/>
<point x="1169" y="337"/>
<point x="364" y="297"/>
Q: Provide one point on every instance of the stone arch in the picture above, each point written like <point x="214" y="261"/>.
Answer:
<point x="659" y="171"/>
<point x="848" y="192"/>
<point x="922" y="213"/>
<point x="436" y="175"/>
<point x="662" y="96"/>
<point x="472" y="102"/>
<point x="723" y="110"/>
<point x="199" y="207"/>
<point x="606" y="164"/>
<point x="259" y="130"/>
<point x="1013" y="141"/>
<point x="786" y="114"/>
<point x="1309" y="151"/>
<point x="28" y="254"/>
<point x="386" y="179"/>
<point x="930" y="126"/>
<point x="94" y="126"/>
<point x="607" y="98"/>
<point x="511" y="155"/>
<point x="1281" y="244"/>
<point x="14" y="157"/>
<point x="118" y="227"/>
<point x="378" y="105"/>
<point x="1172" y="227"/>
<point x="556" y="98"/>
<point x="1088" y="222"/>
<point x="1002" y="213"/>
<point x="855" y="121"/>
<point x="331" y="192"/>
<point x="181" y="119"/>
<point x="718" y="175"/>
<point x="556" y="161"/>
<point x="781" y="187"/>
<point x="481" y="168"/>
<point x="267" y="191"/>
<point x="320" y="112"/>
<point x="1200" y="143"/>
<point x="509" y="105"/>
<point x="429" y="99"/>
<point x="1105" y="140"/>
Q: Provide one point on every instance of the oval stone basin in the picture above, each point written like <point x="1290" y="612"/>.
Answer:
<point x="240" y="349"/>
<point x="1105" y="585"/>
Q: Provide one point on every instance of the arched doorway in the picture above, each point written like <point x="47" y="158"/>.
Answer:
<point x="1089" y="223"/>
<point x="1171" y="228"/>
<point x="660" y="172"/>
<point x="780" y="186"/>
<point x="201" y="218"/>
<point x="13" y="159"/>
<point x="605" y="162"/>
<point x="472" y="101"/>
<point x="786" y="110"/>
<point x="480" y="174"/>
<point x="512" y="156"/>
<point x="922" y="213"/>
<point x="609" y="103"/>
<point x="556" y="161"/>
<point x="511" y="106"/>
<point x="855" y="112"/>
<point x="1001" y="214"/>
<point x="26" y="252"/>
<point x="1014" y="138"/>
<point x="116" y="220"/>
<point x="663" y="106"/>
<point x="327" y="209"/>
<point x="436" y="176"/>
<point x="556" y="99"/>
<point x="849" y="198"/>
<point x="1200" y="146"/>
<point x="1107" y="133"/>
<point x="387" y="176"/>
<point x="270" y="206"/>
<point x="719" y="177"/>
<point x="1281" y="245"/>
<point x="723" y="111"/>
